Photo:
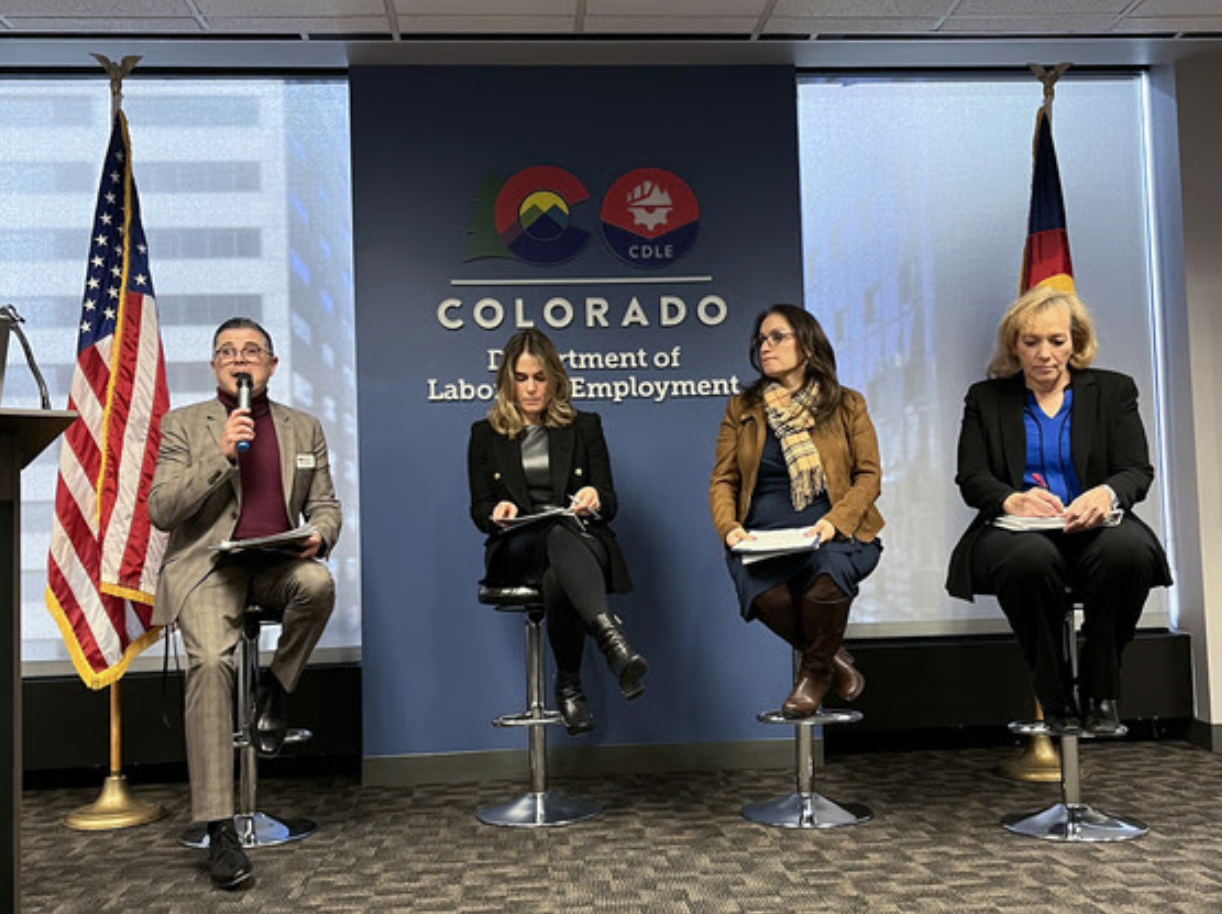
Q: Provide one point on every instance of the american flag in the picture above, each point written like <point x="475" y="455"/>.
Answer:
<point x="105" y="556"/>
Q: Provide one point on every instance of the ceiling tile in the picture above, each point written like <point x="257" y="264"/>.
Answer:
<point x="75" y="24"/>
<point x="95" y="10"/>
<point x="1132" y="25"/>
<point x="485" y="25"/>
<point x="662" y="9"/>
<point x="1050" y="8"/>
<point x="1177" y="8"/>
<point x="849" y="25"/>
<point x="283" y="9"/>
<point x="498" y="8"/>
<point x="1038" y="25"/>
<point x="674" y="25"/>
<point x="891" y="9"/>
<point x="295" y="25"/>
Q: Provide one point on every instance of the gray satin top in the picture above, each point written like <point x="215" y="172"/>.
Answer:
<point x="536" y="465"/>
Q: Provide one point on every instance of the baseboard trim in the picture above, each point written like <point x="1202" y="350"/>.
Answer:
<point x="567" y="761"/>
<point x="1206" y="735"/>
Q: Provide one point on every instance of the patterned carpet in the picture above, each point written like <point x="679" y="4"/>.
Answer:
<point x="674" y="843"/>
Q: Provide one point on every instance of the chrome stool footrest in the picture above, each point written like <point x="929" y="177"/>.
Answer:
<point x="254" y="830"/>
<point x="805" y="808"/>
<point x="527" y="719"/>
<point x="1041" y="728"/>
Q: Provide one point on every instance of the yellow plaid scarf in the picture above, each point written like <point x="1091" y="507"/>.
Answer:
<point x="791" y="418"/>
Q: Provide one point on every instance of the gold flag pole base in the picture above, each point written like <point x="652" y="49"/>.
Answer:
<point x="1038" y="763"/>
<point x="115" y="807"/>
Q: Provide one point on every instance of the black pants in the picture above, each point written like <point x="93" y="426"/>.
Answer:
<point x="574" y="591"/>
<point x="1110" y="568"/>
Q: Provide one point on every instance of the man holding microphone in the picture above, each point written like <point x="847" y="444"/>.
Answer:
<point x="237" y="467"/>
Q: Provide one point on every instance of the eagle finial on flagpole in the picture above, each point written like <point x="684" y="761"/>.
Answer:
<point x="1049" y="78"/>
<point x="117" y="71"/>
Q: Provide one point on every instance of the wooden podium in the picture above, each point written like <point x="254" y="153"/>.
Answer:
<point x="24" y="434"/>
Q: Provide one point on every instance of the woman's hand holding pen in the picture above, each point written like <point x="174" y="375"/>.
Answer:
<point x="1035" y="502"/>
<point x="585" y="502"/>
<point x="504" y="510"/>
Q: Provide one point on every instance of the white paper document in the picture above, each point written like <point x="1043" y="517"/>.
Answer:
<point x="1027" y="524"/>
<point x="768" y="544"/>
<point x="290" y="540"/>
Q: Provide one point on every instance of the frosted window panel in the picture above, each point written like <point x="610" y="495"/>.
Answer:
<point x="244" y="188"/>
<point x="915" y="193"/>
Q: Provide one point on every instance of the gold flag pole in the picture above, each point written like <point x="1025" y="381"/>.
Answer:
<point x="1039" y="761"/>
<point x="115" y="807"/>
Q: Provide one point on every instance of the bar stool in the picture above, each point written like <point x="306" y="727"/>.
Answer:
<point x="254" y="828"/>
<point x="1071" y="819"/>
<point x="539" y="806"/>
<point x="806" y="808"/>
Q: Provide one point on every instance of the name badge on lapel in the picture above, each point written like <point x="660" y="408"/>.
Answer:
<point x="306" y="462"/>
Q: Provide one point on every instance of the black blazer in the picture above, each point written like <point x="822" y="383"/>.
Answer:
<point x="577" y="457"/>
<point x="1107" y="445"/>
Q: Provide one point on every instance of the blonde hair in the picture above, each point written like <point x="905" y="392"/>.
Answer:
<point x="1004" y="362"/>
<point x="505" y="417"/>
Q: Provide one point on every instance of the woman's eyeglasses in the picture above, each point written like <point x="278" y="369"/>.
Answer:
<point x="249" y="353"/>
<point x="776" y="337"/>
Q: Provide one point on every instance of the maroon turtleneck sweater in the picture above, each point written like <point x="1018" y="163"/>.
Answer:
<point x="263" y="510"/>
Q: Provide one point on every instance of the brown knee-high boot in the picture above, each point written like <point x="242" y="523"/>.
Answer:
<point x="825" y="614"/>
<point x="776" y="609"/>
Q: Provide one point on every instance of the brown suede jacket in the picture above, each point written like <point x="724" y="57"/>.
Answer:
<point x="847" y="446"/>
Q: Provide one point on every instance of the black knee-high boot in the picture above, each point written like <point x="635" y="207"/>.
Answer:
<point x="626" y="664"/>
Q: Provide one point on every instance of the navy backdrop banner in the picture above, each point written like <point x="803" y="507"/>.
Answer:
<point x="641" y="218"/>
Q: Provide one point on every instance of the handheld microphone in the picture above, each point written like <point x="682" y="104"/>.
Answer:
<point x="245" y="390"/>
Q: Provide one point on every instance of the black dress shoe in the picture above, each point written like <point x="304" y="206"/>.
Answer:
<point x="228" y="864"/>
<point x="571" y="703"/>
<point x="1102" y="717"/>
<point x="271" y="718"/>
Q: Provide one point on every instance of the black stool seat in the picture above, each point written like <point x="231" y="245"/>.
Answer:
<point x="254" y="828"/>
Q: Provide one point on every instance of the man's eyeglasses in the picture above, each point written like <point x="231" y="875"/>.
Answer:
<point x="776" y="337"/>
<point x="250" y="353"/>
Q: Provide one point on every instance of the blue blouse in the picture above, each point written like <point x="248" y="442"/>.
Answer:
<point x="1048" y="460"/>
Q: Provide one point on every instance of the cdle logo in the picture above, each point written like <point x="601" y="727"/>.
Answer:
<point x="650" y="217"/>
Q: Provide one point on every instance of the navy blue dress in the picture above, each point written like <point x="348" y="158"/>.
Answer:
<point x="846" y="561"/>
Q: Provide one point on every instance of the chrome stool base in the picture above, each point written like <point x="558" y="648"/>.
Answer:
<point x="1071" y="820"/>
<point x="538" y="807"/>
<point x="1077" y="822"/>
<point x="810" y="811"/>
<point x="805" y="808"/>
<point x="257" y="830"/>
<point x="532" y="810"/>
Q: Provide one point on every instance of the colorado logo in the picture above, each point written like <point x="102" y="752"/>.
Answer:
<point x="528" y="217"/>
<point x="650" y="217"/>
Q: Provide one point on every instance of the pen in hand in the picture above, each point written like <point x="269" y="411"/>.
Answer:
<point x="576" y="506"/>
